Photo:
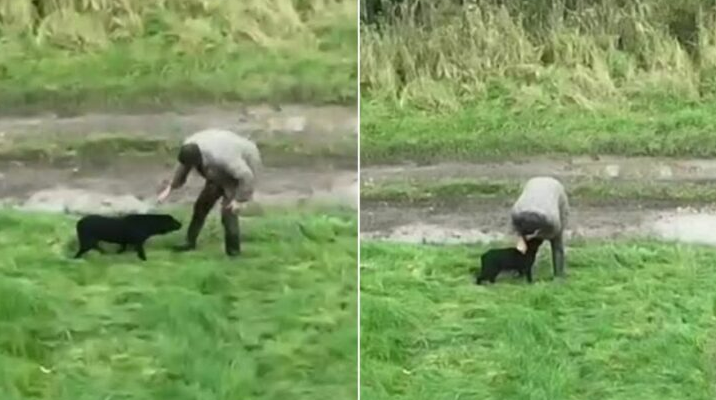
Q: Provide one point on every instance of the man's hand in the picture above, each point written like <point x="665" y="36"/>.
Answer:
<point x="521" y="245"/>
<point x="532" y="235"/>
<point x="234" y="206"/>
<point x="164" y="194"/>
<point x="522" y="241"/>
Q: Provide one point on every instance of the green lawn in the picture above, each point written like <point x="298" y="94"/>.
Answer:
<point x="513" y="78"/>
<point x="586" y="191"/>
<point x="634" y="320"/>
<point x="498" y="130"/>
<point x="136" y="55"/>
<point x="147" y="73"/>
<point x="278" y="322"/>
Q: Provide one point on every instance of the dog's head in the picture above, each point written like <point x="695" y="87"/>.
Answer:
<point x="534" y="244"/>
<point x="162" y="223"/>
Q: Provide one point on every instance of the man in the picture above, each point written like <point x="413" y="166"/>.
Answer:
<point x="229" y="163"/>
<point x="541" y="211"/>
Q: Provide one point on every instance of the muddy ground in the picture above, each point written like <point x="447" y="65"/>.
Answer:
<point x="142" y="177"/>
<point x="565" y="169"/>
<point x="318" y="124"/>
<point x="459" y="221"/>
<point x="467" y="221"/>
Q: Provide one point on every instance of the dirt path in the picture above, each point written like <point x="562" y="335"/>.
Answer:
<point x="470" y="221"/>
<point x="141" y="177"/>
<point x="309" y="123"/>
<point x="614" y="168"/>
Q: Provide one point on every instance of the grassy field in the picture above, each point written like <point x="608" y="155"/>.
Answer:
<point x="589" y="191"/>
<point x="495" y="130"/>
<point x="277" y="152"/>
<point x="279" y="322"/>
<point x="136" y="54"/>
<point x="524" y="78"/>
<point x="634" y="320"/>
<point x="502" y="80"/>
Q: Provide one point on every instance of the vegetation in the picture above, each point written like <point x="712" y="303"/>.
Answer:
<point x="633" y="320"/>
<point x="586" y="191"/>
<point x="279" y="322"/>
<point x="277" y="152"/>
<point x="71" y="54"/>
<point x="494" y="130"/>
<point x="442" y="80"/>
<point x="505" y="79"/>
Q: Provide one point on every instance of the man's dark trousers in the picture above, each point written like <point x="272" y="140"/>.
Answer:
<point x="229" y="219"/>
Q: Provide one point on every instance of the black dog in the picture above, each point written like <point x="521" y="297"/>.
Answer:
<point x="510" y="259"/>
<point x="129" y="230"/>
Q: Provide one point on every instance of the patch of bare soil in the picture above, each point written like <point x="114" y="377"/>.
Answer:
<point x="143" y="179"/>
<point x="304" y="123"/>
<point x="568" y="168"/>
<point x="131" y="183"/>
<point x="469" y="221"/>
<point x="486" y="223"/>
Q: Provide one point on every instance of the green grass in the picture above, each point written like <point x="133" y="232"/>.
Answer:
<point x="513" y="78"/>
<point x="584" y="191"/>
<point x="275" y="151"/>
<point x="137" y="55"/>
<point x="278" y="322"/>
<point x="633" y="320"/>
<point x="496" y="129"/>
<point x="145" y="75"/>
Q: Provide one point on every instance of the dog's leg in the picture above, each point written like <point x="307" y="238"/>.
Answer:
<point x="140" y="251"/>
<point x="99" y="249"/>
<point x="85" y="246"/>
<point x="203" y="205"/>
<point x="493" y="277"/>
<point x="82" y="251"/>
<point x="122" y="248"/>
<point x="529" y="273"/>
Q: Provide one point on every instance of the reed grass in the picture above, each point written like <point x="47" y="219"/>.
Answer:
<point x="143" y="52"/>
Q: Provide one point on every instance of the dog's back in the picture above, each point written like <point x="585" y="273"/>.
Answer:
<point x="132" y="229"/>
<point x="152" y="224"/>
<point x="495" y="261"/>
<point x="503" y="259"/>
<point x="101" y="227"/>
<point x="124" y="228"/>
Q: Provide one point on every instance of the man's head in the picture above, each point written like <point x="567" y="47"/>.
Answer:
<point x="528" y="226"/>
<point x="190" y="155"/>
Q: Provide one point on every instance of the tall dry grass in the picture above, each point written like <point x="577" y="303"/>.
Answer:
<point x="88" y="24"/>
<point x="441" y="54"/>
<point x="76" y="55"/>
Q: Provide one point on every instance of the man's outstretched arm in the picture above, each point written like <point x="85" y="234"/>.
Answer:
<point x="178" y="180"/>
